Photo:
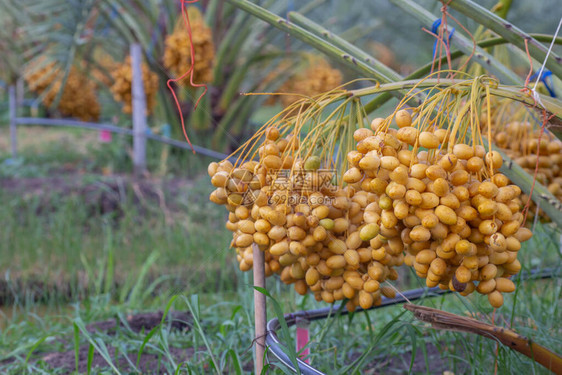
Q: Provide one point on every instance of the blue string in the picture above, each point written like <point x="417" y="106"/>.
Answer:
<point x="434" y="28"/>
<point x="435" y="25"/>
<point x="166" y="130"/>
<point x="546" y="73"/>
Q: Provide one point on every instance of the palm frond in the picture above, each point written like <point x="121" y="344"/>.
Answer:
<point x="467" y="46"/>
<point x="510" y="32"/>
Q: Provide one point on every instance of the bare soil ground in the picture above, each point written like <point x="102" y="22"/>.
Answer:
<point x="149" y="362"/>
<point x="400" y="363"/>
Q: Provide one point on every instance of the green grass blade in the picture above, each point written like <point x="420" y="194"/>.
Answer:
<point x="167" y="309"/>
<point x="97" y="343"/>
<point x="39" y="342"/>
<point x="369" y="326"/>
<point x="235" y="361"/>
<point x="413" y="337"/>
<point x="137" y="288"/>
<point x="425" y="357"/>
<point x="123" y="349"/>
<point x="76" y="345"/>
<point x="145" y="341"/>
<point x="90" y="359"/>
<point x="180" y="365"/>
<point x="101" y="268"/>
<point x="164" y="334"/>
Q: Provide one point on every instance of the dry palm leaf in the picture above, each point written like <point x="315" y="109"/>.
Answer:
<point x="444" y="320"/>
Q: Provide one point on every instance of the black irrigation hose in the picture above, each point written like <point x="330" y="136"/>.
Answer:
<point x="274" y="345"/>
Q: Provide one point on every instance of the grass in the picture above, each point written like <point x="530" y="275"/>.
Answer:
<point x="43" y="151"/>
<point x="225" y="334"/>
<point x="69" y="246"/>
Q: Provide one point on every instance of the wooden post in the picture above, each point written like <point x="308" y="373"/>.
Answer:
<point x="260" y="315"/>
<point x="13" y="115"/>
<point x="19" y="91"/>
<point x="139" y="111"/>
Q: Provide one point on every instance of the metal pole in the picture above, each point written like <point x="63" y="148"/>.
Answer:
<point x="259" y="307"/>
<point x="13" y="115"/>
<point x="139" y="111"/>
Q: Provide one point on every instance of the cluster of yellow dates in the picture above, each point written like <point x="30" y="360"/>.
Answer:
<point x="459" y="230"/>
<point x="409" y="197"/>
<point x="319" y="77"/>
<point x="526" y="146"/>
<point x="177" y="52"/>
<point x="78" y="99"/>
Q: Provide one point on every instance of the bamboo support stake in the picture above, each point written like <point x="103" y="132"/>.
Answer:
<point x="139" y="111"/>
<point x="260" y="316"/>
<point x="13" y="115"/>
